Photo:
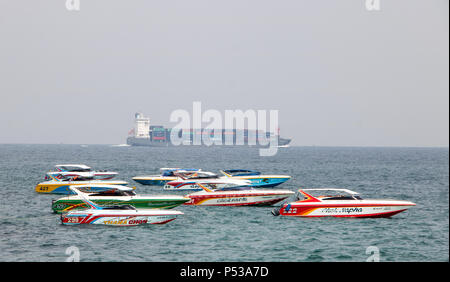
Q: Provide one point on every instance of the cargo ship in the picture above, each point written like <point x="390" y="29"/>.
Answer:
<point x="144" y="134"/>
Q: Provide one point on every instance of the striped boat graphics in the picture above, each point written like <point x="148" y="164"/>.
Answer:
<point x="160" y="202"/>
<point x="62" y="187"/>
<point x="237" y="199"/>
<point x="348" y="205"/>
<point x="117" y="220"/>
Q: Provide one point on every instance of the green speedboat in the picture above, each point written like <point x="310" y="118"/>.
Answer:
<point x="119" y="196"/>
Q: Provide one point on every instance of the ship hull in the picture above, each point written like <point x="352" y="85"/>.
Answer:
<point x="147" y="142"/>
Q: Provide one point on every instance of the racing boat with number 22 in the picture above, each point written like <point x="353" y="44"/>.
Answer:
<point x="340" y="203"/>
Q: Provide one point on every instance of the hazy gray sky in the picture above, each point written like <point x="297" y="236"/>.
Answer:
<point x="338" y="74"/>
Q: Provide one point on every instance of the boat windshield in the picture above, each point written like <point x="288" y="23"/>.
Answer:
<point x="327" y="195"/>
<point x="202" y="175"/>
<point x="168" y="173"/>
<point x="235" y="188"/>
<point x="173" y="172"/>
<point x="242" y="172"/>
<point x="121" y="207"/>
<point x="115" y="193"/>
<point x="341" y="197"/>
<point x="77" y="178"/>
<point x="74" y="169"/>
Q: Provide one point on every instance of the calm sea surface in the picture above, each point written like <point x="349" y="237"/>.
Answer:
<point x="29" y="231"/>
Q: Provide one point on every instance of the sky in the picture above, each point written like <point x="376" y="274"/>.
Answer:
<point x="338" y="74"/>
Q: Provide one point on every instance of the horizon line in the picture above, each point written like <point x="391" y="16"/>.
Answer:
<point x="246" y="146"/>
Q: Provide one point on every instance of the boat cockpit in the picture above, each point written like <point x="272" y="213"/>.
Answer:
<point x="77" y="178"/>
<point x="197" y="175"/>
<point x="241" y="172"/>
<point x="115" y="193"/>
<point x="340" y="197"/>
<point x="234" y="188"/>
<point x="336" y="194"/>
<point x="119" y="207"/>
<point x="73" y="168"/>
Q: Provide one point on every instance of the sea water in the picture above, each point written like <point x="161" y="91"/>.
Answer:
<point x="29" y="231"/>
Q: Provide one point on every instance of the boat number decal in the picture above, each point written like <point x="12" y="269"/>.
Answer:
<point x="342" y="210"/>
<point x="71" y="219"/>
<point x="293" y="210"/>
<point x="60" y="206"/>
<point x="137" y="221"/>
<point x="43" y="188"/>
<point x="231" y="200"/>
<point x="126" y="221"/>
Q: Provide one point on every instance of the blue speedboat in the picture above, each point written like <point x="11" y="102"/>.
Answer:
<point x="167" y="174"/>
<point x="257" y="179"/>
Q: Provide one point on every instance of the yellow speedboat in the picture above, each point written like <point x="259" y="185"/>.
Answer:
<point x="60" y="183"/>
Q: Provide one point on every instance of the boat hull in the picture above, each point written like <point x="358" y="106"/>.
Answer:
<point x="104" y="175"/>
<point x="114" y="219"/>
<point x="264" y="181"/>
<point x="192" y="186"/>
<point x="155" y="181"/>
<point x="62" y="187"/>
<point x="363" y="211"/>
<point x="198" y="184"/>
<point x="237" y="199"/>
<point x="75" y="203"/>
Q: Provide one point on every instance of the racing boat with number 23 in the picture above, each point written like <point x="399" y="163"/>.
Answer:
<point x="123" y="215"/>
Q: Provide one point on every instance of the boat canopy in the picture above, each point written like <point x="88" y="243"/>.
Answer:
<point x="241" y="172"/>
<point x="234" y="188"/>
<point x="332" y="189"/>
<point x="110" y="188"/>
<point x="113" y="193"/>
<point x="202" y="175"/>
<point x="118" y="207"/>
<point x="196" y="175"/>
<point x="73" y="167"/>
<point x="171" y="171"/>
<point x="332" y="194"/>
<point x="65" y="176"/>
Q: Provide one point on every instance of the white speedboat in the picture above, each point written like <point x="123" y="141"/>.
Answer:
<point x="340" y="203"/>
<point x="237" y="196"/>
<point x="166" y="175"/>
<point x="116" y="195"/>
<point x="207" y="179"/>
<point x="84" y="171"/>
<point x="122" y="215"/>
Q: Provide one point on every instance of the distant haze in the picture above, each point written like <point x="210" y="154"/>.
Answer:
<point x="339" y="75"/>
